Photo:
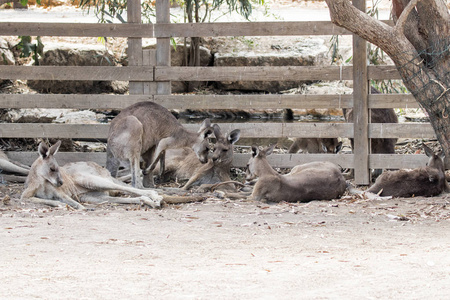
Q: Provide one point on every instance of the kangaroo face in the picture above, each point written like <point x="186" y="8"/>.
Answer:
<point x="49" y="168"/>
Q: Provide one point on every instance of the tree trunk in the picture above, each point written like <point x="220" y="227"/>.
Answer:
<point x="419" y="45"/>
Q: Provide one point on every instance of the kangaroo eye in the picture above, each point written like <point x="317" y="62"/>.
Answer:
<point x="53" y="169"/>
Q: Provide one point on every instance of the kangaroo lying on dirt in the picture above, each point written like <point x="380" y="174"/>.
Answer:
<point x="311" y="181"/>
<point x="183" y="164"/>
<point x="146" y="130"/>
<point x="11" y="167"/>
<point x="315" y="145"/>
<point x="425" y="181"/>
<point x="49" y="184"/>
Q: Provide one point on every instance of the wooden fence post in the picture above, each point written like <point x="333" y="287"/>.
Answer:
<point x="134" y="45"/>
<point x="360" y="106"/>
<point x="163" y="45"/>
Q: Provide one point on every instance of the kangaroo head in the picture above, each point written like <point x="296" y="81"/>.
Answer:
<point x="49" y="168"/>
<point x="435" y="160"/>
<point x="223" y="148"/>
<point x="255" y="160"/>
<point x="331" y="146"/>
<point x="201" y="147"/>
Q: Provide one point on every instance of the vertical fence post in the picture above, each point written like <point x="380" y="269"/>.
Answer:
<point x="360" y="106"/>
<point x="163" y="45"/>
<point x="134" y="45"/>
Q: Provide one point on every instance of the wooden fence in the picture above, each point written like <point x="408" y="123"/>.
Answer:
<point x="150" y="78"/>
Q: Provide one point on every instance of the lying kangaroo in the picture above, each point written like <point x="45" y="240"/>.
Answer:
<point x="425" y="181"/>
<point x="11" y="167"/>
<point x="49" y="184"/>
<point x="311" y="181"/>
<point x="217" y="169"/>
<point x="316" y="145"/>
<point x="183" y="163"/>
<point x="147" y="130"/>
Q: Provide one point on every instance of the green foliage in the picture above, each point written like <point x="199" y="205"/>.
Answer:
<point x="29" y="48"/>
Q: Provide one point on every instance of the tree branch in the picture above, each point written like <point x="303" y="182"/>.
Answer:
<point x="400" y="26"/>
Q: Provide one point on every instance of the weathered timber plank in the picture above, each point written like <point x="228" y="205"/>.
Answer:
<point x="269" y="101"/>
<point x="252" y="73"/>
<point x="163" y="45"/>
<point x="383" y="72"/>
<point x="172" y="30"/>
<point x="41" y="130"/>
<point x="249" y="29"/>
<point x="390" y="161"/>
<point x="253" y="130"/>
<point x="397" y="161"/>
<point x="134" y="51"/>
<point x="180" y="102"/>
<point x="130" y="73"/>
<point x="240" y="159"/>
<point x="401" y="130"/>
<point x="77" y="29"/>
<point x="392" y="101"/>
<point x="292" y="160"/>
<point x="272" y="101"/>
<point x="75" y="101"/>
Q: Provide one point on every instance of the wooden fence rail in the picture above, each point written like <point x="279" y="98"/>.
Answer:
<point x="141" y="71"/>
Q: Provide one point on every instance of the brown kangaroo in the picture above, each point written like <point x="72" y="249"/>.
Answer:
<point x="49" y="184"/>
<point x="312" y="181"/>
<point x="183" y="163"/>
<point x="377" y="115"/>
<point x="146" y="130"/>
<point x="217" y="169"/>
<point x="425" y="181"/>
<point x="315" y="145"/>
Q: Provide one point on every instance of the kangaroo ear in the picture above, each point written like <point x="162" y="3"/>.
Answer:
<point x="441" y="154"/>
<point x="338" y="147"/>
<point x="53" y="149"/>
<point x="205" y="124"/>
<point x="234" y="136"/>
<point x="43" y="149"/>
<point x="217" y="132"/>
<point x="255" y="151"/>
<point x="207" y="133"/>
<point x="428" y="151"/>
<point x="269" y="149"/>
<point x="324" y="148"/>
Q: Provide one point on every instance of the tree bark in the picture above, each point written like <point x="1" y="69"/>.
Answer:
<point x="418" y="44"/>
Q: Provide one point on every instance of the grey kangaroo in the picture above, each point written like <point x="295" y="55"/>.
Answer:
<point x="315" y="145"/>
<point x="312" y="181"/>
<point x="146" y="130"/>
<point x="73" y="183"/>
<point x="425" y="181"/>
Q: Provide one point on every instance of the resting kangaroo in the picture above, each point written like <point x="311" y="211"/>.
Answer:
<point x="311" y="181"/>
<point x="315" y="145"/>
<point x="11" y="167"/>
<point x="425" y="181"/>
<point x="183" y="163"/>
<point x="147" y="130"/>
<point x="47" y="183"/>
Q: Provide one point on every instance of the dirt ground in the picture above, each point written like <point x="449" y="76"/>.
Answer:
<point x="221" y="249"/>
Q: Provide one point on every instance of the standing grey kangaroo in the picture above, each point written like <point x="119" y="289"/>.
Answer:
<point x="146" y="130"/>
<point x="425" y="181"/>
<point x="312" y="181"/>
<point x="377" y="115"/>
<point x="49" y="184"/>
<point x="315" y="145"/>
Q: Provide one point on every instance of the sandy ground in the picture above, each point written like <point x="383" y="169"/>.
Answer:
<point x="222" y="249"/>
